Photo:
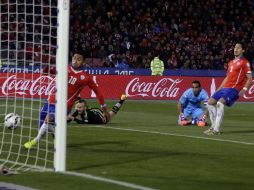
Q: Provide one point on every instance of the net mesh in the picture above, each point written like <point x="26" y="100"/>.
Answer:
<point x="28" y="43"/>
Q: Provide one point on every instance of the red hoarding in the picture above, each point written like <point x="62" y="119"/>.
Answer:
<point x="112" y="86"/>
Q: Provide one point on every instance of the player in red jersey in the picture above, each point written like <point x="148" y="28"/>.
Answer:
<point x="236" y="83"/>
<point x="77" y="80"/>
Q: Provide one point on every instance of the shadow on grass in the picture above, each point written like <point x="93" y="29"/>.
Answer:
<point x="122" y="152"/>
<point x="238" y="131"/>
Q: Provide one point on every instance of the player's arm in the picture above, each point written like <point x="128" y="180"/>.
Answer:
<point x="205" y="109"/>
<point x="247" y="84"/>
<point x="79" y="121"/>
<point x="100" y="97"/>
<point x="179" y="107"/>
<point x="91" y="84"/>
<point x="71" y="116"/>
<point x="223" y="83"/>
<point x="107" y="117"/>
<point x="181" y="102"/>
<point x="205" y="102"/>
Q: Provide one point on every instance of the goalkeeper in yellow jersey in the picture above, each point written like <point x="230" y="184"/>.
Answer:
<point x="85" y="115"/>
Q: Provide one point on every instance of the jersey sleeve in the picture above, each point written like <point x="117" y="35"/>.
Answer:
<point x="79" y="121"/>
<point x="204" y="97"/>
<point x="228" y="69"/>
<point x="184" y="97"/>
<point x="247" y="67"/>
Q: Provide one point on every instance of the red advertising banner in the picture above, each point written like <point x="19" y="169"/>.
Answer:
<point x="112" y="86"/>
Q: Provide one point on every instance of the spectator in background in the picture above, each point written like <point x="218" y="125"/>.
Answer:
<point x="121" y="62"/>
<point x="157" y="66"/>
<point x="136" y="27"/>
<point x="139" y="26"/>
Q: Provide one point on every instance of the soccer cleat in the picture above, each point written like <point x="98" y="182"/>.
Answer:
<point x="184" y="123"/>
<point x="208" y="130"/>
<point x="123" y="97"/>
<point x="211" y="132"/>
<point x="30" y="144"/>
<point x="201" y="123"/>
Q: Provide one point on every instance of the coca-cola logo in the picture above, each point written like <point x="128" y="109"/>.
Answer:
<point x="165" y="87"/>
<point x="249" y="94"/>
<point x="43" y="85"/>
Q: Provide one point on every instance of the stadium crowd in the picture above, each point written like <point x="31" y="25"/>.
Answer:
<point x="188" y="34"/>
<point x="28" y="31"/>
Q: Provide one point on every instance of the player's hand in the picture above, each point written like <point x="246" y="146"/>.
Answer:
<point x="241" y="93"/>
<point x="107" y="116"/>
<point x="70" y="118"/>
<point x="181" y="116"/>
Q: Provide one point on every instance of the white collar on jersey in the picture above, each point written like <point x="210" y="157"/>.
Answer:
<point x="76" y="71"/>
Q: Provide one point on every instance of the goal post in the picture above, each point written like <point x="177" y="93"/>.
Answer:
<point x="61" y="84"/>
<point x="34" y="34"/>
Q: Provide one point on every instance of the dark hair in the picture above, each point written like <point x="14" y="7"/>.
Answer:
<point x="82" y="101"/>
<point x="242" y="44"/>
<point x="79" y="53"/>
<point x="196" y="82"/>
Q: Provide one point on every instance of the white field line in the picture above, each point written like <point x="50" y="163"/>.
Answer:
<point x="84" y="175"/>
<point x="171" y="134"/>
<point x="130" y="185"/>
<point x="133" y="186"/>
<point x="120" y="183"/>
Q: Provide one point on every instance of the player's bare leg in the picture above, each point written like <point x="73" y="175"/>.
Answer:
<point x="46" y="126"/>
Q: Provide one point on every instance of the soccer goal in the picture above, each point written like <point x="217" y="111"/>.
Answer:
<point x="34" y="34"/>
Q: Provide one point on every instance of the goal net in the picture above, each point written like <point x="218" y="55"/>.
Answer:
<point x="28" y="43"/>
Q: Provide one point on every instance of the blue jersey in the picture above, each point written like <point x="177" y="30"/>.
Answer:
<point x="190" y="101"/>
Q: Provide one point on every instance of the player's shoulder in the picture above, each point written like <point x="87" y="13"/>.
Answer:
<point x="243" y="60"/>
<point x="204" y="92"/>
<point x="83" y="72"/>
<point x="188" y="92"/>
<point x="78" y="72"/>
<point x="92" y="110"/>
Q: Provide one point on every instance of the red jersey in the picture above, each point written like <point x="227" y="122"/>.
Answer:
<point x="77" y="80"/>
<point x="236" y="73"/>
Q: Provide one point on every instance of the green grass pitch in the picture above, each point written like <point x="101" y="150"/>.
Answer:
<point x="144" y="146"/>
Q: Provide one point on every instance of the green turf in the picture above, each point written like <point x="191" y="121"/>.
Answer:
<point x="175" y="158"/>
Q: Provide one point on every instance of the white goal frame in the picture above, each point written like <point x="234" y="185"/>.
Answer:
<point x="61" y="84"/>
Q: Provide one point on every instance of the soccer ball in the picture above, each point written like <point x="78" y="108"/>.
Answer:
<point x="12" y="121"/>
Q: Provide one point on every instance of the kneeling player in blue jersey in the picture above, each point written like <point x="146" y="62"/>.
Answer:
<point x="192" y="106"/>
<point x="85" y="115"/>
